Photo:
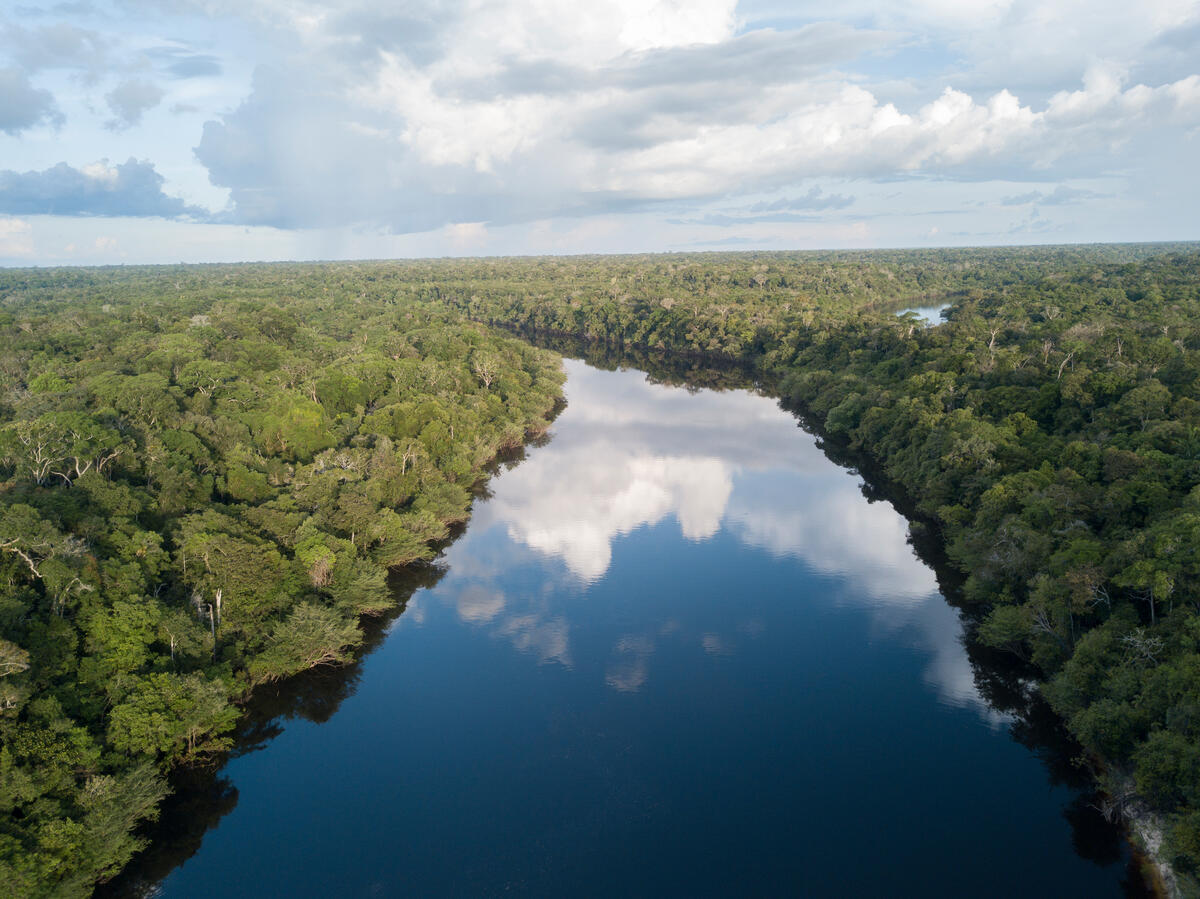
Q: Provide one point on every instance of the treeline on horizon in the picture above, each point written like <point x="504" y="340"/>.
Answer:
<point x="284" y="433"/>
<point x="205" y="476"/>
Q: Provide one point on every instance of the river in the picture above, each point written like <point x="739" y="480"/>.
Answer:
<point x="676" y="651"/>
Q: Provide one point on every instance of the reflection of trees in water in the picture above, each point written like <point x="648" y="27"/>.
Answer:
<point x="1002" y="680"/>
<point x="1005" y="682"/>
<point x="692" y="372"/>
<point x="204" y="795"/>
<point x="201" y="798"/>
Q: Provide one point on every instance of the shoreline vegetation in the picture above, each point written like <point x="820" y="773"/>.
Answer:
<point x="1008" y="693"/>
<point x="1047" y="430"/>
<point x="206" y="478"/>
<point x="208" y="469"/>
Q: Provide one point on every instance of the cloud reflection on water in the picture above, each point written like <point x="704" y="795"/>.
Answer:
<point x="582" y="498"/>
<point x="629" y="667"/>
<point x="637" y="453"/>
<point x="627" y="454"/>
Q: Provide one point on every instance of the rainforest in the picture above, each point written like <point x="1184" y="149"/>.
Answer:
<point x="209" y="472"/>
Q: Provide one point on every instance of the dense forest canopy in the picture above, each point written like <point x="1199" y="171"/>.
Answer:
<point x="208" y="469"/>
<point x="207" y="474"/>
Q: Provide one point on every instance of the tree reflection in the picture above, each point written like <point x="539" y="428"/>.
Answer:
<point x="202" y="796"/>
<point x="1003" y="682"/>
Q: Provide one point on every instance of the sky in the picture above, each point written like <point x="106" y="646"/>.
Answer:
<point x="161" y="131"/>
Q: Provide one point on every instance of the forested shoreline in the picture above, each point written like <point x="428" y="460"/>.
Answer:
<point x="207" y="475"/>
<point x="1048" y="430"/>
<point x="207" y="471"/>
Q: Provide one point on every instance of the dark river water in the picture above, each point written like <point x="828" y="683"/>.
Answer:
<point x="676" y="651"/>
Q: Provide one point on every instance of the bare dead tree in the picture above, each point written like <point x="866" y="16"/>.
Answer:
<point x="1141" y="649"/>
<point x="1063" y="364"/>
<point x="26" y="554"/>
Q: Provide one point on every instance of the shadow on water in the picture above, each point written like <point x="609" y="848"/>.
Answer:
<point x="203" y="796"/>
<point x="1003" y="680"/>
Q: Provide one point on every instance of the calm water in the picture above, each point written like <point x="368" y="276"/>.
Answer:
<point x="675" y="652"/>
<point x="929" y="315"/>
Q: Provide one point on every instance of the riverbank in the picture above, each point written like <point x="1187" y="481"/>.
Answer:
<point x="1144" y="827"/>
<point x="230" y="449"/>
<point x="1046" y="427"/>
<point x="664" y="636"/>
<point x="205" y="476"/>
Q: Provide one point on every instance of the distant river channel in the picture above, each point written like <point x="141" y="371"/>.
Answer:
<point x="676" y="652"/>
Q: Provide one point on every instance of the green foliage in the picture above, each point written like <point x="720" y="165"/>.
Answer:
<point x="1006" y="627"/>
<point x="1167" y="767"/>
<point x="204" y="473"/>
<point x="311" y="635"/>
<point x="171" y="714"/>
<point x="201" y="488"/>
<point x="1049" y="429"/>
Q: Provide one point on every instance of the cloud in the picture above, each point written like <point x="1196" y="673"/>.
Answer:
<point x="814" y="199"/>
<point x="845" y="130"/>
<point x="422" y="117"/>
<point x="1034" y="224"/>
<point x="130" y="100"/>
<point x="935" y="628"/>
<point x="477" y="604"/>
<point x="838" y="534"/>
<point x="75" y="8"/>
<point x="699" y="70"/>
<point x="777" y="211"/>
<point x="467" y="235"/>
<point x="724" y="220"/>
<point x="521" y="112"/>
<point x="179" y="61"/>
<point x="22" y="106"/>
<point x="454" y="125"/>
<point x="1184" y="37"/>
<point x="726" y="242"/>
<point x="731" y="461"/>
<point x="629" y="667"/>
<point x="131" y="188"/>
<point x="61" y="45"/>
<point x="630" y="461"/>
<point x="1060" y="196"/>
<point x="16" y="238"/>
<point x="629" y="490"/>
<point x="1023" y="46"/>
<point x="549" y="640"/>
<point x="1022" y="199"/>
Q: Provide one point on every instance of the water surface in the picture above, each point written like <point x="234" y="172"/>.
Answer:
<point x="927" y="315"/>
<point x="676" y="651"/>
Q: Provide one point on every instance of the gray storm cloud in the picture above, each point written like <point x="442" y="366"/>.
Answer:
<point x="131" y="188"/>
